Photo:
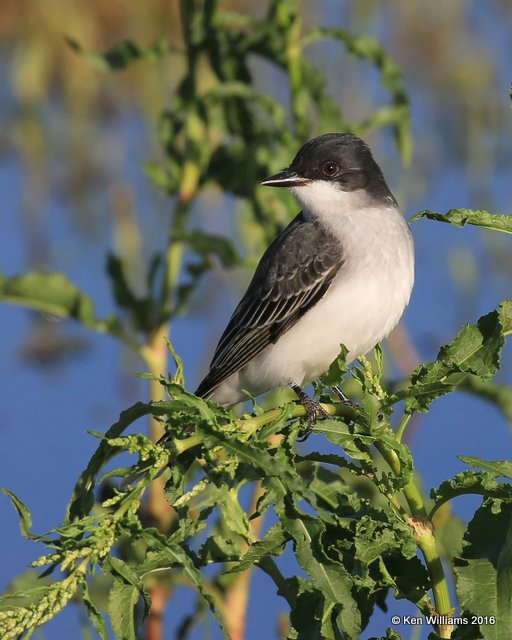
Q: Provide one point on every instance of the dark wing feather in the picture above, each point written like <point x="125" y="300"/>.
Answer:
<point x="294" y="273"/>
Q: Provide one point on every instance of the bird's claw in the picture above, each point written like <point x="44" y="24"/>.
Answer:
<point x="313" y="409"/>
<point x="315" y="412"/>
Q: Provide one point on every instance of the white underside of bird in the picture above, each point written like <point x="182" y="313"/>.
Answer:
<point x="360" y="308"/>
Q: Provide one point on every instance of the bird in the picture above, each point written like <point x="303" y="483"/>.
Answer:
<point x="340" y="273"/>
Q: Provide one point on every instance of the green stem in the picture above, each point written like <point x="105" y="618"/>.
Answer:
<point x="250" y="425"/>
<point x="401" y="427"/>
<point x="288" y="15"/>
<point x="425" y="539"/>
<point x="254" y="423"/>
<point x="176" y="246"/>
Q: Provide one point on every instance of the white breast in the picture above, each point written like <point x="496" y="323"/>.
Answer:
<point x="361" y="307"/>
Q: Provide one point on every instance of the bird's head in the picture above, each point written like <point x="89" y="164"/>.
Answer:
<point x="330" y="164"/>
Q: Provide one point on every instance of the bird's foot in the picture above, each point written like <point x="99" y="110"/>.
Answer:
<point x="313" y="409"/>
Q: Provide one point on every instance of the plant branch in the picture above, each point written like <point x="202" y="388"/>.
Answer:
<point x="425" y="539"/>
<point x="237" y="596"/>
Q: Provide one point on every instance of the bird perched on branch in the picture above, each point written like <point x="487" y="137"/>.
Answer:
<point x="341" y="272"/>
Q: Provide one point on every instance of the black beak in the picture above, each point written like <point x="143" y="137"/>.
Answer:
<point x="285" y="178"/>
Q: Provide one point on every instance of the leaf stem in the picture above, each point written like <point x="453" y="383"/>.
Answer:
<point x="403" y="424"/>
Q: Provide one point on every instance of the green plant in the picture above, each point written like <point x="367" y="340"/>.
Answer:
<point x="352" y="546"/>
<point x="354" y="518"/>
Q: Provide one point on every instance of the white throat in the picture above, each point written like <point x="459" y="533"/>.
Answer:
<point x="345" y="213"/>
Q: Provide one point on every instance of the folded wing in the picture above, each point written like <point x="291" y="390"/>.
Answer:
<point x="294" y="273"/>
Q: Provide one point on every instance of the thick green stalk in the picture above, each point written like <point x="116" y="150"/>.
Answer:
<point x="426" y="541"/>
<point x="251" y="425"/>
<point x="401" y="427"/>
<point x="294" y="68"/>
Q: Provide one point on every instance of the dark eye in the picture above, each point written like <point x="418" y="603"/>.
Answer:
<point x="330" y="168"/>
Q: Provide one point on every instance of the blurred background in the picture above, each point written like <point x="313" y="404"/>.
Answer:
<point x="73" y="142"/>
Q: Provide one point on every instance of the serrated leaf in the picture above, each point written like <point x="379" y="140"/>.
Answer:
<point x="95" y="617"/>
<point x="408" y="577"/>
<point x="306" y="610"/>
<point x="337" y="369"/>
<point x="49" y="293"/>
<point x="461" y="217"/>
<point x="331" y="578"/>
<point x="129" y="574"/>
<point x="500" y="468"/>
<point x="484" y="572"/>
<point x="218" y="549"/>
<point x="471" y="482"/>
<point x="328" y="486"/>
<point x="475" y="350"/>
<point x="124" y="571"/>
<point x="82" y="499"/>
<point x="234" y="516"/>
<point x="250" y="452"/>
<point x="122" y="600"/>
<point x="272" y="545"/>
<point x="375" y="538"/>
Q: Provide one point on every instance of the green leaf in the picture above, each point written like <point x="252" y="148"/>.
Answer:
<point x="484" y="572"/>
<point x="173" y="555"/>
<point x="306" y="610"/>
<point x="82" y="500"/>
<point x="408" y="578"/>
<point x="475" y="350"/>
<point x="203" y="245"/>
<point x="122" y="600"/>
<point x="233" y="515"/>
<point x="500" y="468"/>
<point x="140" y="308"/>
<point x="49" y="293"/>
<point x="337" y="369"/>
<point x="97" y="620"/>
<point x="124" y="571"/>
<point x="209" y="244"/>
<point x="375" y="538"/>
<point x="272" y="545"/>
<point x="25" y="590"/>
<point x="23" y="512"/>
<point x="461" y="217"/>
<point x="329" y="487"/>
<point x="367" y="48"/>
<point x="472" y="482"/>
<point x="121" y="55"/>
<point x="179" y="375"/>
<point x="330" y="577"/>
<point x="130" y="576"/>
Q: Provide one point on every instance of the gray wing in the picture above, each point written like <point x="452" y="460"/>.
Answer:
<point x="294" y="273"/>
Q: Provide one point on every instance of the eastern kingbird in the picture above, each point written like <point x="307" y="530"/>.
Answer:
<point x="341" y="272"/>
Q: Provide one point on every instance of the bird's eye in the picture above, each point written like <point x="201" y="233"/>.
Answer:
<point x="330" y="168"/>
